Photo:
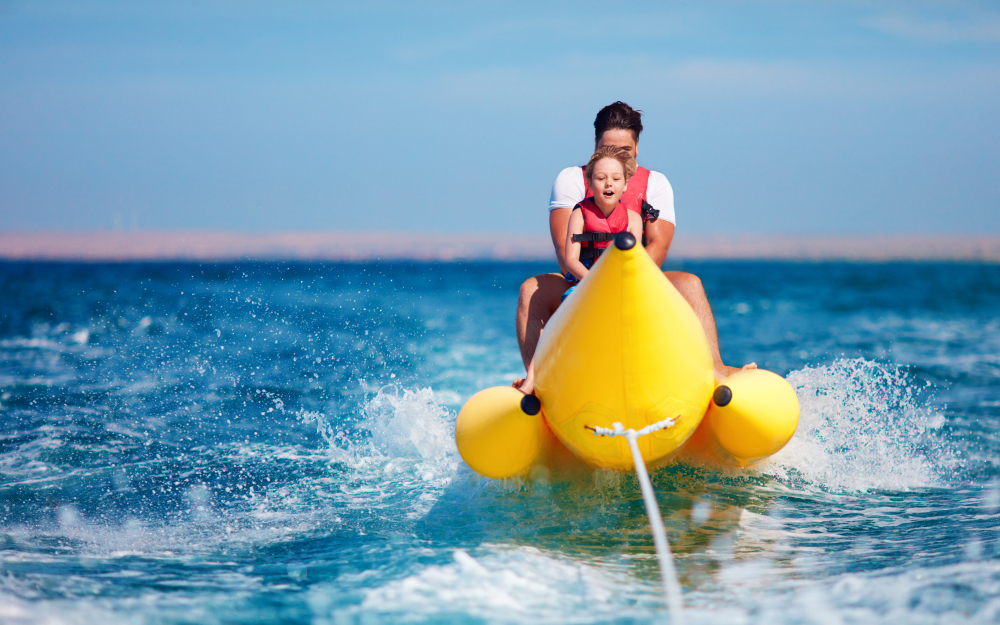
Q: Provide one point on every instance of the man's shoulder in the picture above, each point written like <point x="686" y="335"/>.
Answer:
<point x="659" y="179"/>
<point x="571" y="172"/>
<point x="568" y="189"/>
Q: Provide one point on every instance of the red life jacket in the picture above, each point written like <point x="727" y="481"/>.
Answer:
<point x="598" y="230"/>
<point x="635" y="194"/>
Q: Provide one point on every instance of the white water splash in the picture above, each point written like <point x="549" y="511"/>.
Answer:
<point x="864" y="425"/>
<point x="409" y="452"/>
<point x="411" y="426"/>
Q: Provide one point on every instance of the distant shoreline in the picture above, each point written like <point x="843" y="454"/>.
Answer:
<point x="361" y="246"/>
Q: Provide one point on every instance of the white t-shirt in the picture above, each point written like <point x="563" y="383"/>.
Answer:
<point x="568" y="190"/>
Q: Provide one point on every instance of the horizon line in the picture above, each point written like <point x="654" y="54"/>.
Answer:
<point x="211" y="245"/>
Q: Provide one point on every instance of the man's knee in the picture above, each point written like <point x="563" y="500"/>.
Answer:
<point x="544" y="290"/>
<point x="685" y="282"/>
<point x="528" y="288"/>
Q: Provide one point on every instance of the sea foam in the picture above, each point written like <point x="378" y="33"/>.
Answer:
<point x="864" y="425"/>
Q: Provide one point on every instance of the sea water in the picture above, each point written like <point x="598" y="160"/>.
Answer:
<point x="260" y="443"/>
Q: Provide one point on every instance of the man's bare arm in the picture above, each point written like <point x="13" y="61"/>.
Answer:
<point x="659" y="235"/>
<point x="558" y="221"/>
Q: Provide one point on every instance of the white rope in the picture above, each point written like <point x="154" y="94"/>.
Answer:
<point x="619" y="429"/>
<point x="668" y="574"/>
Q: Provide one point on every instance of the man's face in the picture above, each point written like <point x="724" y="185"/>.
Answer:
<point x="619" y="139"/>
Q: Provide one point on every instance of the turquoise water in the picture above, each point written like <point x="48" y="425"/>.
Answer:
<point x="273" y="443"/>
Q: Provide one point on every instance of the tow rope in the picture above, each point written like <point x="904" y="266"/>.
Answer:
<point x="668" y="573"/>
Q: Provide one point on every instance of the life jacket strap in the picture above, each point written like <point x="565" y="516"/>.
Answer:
<point x="648" y="212"/>
<point x="594" y="236"/>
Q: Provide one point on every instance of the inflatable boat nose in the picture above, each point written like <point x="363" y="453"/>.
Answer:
<point x="624" y="241"/>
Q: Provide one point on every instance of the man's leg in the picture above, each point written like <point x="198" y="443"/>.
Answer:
<point x="539" y="298"/>
<point x="690" y="287"/>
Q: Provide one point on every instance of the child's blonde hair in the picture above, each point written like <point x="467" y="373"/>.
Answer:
<point x="609" y="151"/>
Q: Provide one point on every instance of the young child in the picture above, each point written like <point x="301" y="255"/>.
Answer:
<point x="595" y="221"/>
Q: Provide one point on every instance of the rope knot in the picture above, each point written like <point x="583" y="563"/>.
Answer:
<point x="617" y="429"/>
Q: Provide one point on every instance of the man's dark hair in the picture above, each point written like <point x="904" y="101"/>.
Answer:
<point x="617" y="116"/>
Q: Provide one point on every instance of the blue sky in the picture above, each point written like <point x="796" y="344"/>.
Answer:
<point x="767" y="117"/>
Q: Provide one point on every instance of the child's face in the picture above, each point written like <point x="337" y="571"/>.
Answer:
<point x="608" y="183"/>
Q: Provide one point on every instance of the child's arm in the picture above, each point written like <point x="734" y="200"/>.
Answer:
<point x="635" y="225"/>
<point x="573" y="264"/>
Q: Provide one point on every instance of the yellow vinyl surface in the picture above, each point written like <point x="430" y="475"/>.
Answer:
<point x="759" y="420"/>
<point x="495" y="437"/>
<point x="625" y="346"/>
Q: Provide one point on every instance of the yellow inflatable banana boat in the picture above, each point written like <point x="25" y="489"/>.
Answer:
<point x="625" y="351"/>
